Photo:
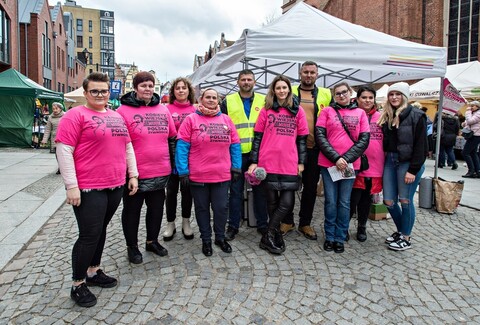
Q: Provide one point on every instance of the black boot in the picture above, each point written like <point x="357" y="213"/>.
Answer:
<point x="361" y="233"/>
<point x="279" y="242"/>
<point x="268" y="242"/>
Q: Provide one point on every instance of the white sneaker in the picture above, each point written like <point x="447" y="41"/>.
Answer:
<point x="400" y="245"/>
<point x="169" y="231"/>
<point x="393" y="238"/>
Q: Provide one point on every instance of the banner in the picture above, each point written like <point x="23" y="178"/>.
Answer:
<point x="452" y="99"/>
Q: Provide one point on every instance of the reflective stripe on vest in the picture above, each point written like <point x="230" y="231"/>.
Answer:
<point x="243" y="125"/>
<point x="323" y="97"/>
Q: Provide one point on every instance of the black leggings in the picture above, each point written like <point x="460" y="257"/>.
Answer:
<point x="361" y="201"/>
<point x="93" y="215"/>
<point x="132" y="208"/>
<point x="279" y="204"/>
<point x="171" y="200"/>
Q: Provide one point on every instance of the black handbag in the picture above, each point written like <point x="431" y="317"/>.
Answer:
<point x="467" y="133"/>
<point x="364" y="165"/>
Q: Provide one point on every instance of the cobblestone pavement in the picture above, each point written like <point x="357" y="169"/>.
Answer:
<point x="436" y="282"/>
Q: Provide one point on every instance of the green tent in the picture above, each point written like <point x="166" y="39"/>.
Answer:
<point x="18" y="95"/>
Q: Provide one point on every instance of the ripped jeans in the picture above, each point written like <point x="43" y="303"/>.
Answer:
<point x="395" y="190"/>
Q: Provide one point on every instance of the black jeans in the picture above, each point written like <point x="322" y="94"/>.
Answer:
<point x="361" y="201"/>
<point x="171" y="200"/>
<point x="310" y="177"/>
<point x="216" y="195"/>
<point x="132" y="208"/>
<point x="93" y="215"/>
<point x="470" y="154"/>
<point x="279" y="204"/>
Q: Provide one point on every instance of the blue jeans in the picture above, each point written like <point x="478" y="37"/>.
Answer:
<point x="395" y="190"/>
<point x="337" y="206"/>
<point x="216" y="195"/>
<point x="470" y="155"/>
<point x="236" y="204"/>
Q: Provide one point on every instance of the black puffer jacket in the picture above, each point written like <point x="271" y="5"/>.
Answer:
<point x="450" y="129"/>
<point x="130" y="99"/>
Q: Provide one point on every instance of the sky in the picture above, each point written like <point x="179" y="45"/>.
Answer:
<point x="165" y="35"/>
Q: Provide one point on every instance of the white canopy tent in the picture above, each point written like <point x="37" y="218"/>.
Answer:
<point x="341" y="49"/>
<point x="465" y="77"/>
<point x="77" y="96"/>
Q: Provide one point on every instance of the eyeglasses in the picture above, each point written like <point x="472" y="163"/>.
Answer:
<point x="341" y="93"/>
<point x="96" y="92"/>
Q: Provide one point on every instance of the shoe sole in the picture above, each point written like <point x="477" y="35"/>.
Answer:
<point x="272" y="251"/>
<point x="154" y="252"/>
<point x="398" y="249"/>
<point x="135" y="261"/>
<point x="308" y="236"/>
<point x="106" y="285"/>
<point x="85" y="304"/>
<point x="225" y="251"/>
<point x="187" y="237"/>
<point x="169" y="238"/>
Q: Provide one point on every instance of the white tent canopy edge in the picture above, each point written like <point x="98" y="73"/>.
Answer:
<point x="342" y="50"/>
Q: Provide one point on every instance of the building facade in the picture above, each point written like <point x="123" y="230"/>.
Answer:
<point x="9" y="54"/>
<point x="94" y="37"/>
<point x="447" y="23"/>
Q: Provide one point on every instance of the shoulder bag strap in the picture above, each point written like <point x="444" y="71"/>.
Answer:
<point x="344" y="126"/>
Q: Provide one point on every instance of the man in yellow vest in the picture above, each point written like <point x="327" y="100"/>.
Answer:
<point x="312" y="99"/>
<point x="243" y="107"/>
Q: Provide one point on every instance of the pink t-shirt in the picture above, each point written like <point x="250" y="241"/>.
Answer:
<point x="278" y="149"/>
<point x="149" y="128"/>
<point x="179" y="111"/>
<point x="100" y="140"/>
<point x="210" y="138"/>
<point x="374" y="152"/>
<point x="356" y="122"/>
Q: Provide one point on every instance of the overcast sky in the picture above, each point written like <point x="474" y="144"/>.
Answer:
<point x="165" y="35"/>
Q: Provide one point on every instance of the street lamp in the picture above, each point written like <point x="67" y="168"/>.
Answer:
<point x="86" y="55"/>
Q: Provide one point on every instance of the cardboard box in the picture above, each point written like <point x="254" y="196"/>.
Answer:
<point x="378" y="212"/>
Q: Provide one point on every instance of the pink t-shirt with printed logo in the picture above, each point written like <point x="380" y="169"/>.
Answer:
<point x="179" y="111"/>
<point x="100" y="140"/>
<point x="374" y="152"/>
<point x="210" y="138"/>
<point x="356" y="122"/>
<point x="278" y="149"/>
<point x="149" y="128"/>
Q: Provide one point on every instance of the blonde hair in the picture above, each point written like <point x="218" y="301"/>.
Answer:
<point x="391" y="117"/>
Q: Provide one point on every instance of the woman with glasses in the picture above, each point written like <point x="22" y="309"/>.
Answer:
<point x="153" y="134"/>
<point x="93" y="166"/>
<point x="342" y="134"/>
<point x="406" y="147"/>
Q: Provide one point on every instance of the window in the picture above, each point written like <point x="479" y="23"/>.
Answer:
<point x="79" y="41"/>
<point x="47" y="83"/>
<point x="106" y="26"/>
<point x="90" y="26"/>
<point x="107" y="43"/>
<point x="463" y="31"/>
<point x="79" y="25"/>
<point x="4" y="37"/>
<point x="90" y="42"/>
<point x="46" y="45"/>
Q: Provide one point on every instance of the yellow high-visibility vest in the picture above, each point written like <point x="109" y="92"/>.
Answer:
<point x="324" y="96"/>
<point x="243" y="124"/>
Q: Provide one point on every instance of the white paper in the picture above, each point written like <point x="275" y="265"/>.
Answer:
<point x="336" y="174"/>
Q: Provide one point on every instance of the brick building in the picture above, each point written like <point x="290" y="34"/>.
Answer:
<point x="8" y="35"/>
<point x="453" y="24"/>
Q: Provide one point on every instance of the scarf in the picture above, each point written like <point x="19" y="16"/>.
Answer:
<point x="208" y="112"/>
